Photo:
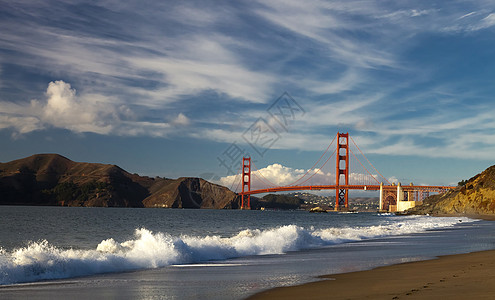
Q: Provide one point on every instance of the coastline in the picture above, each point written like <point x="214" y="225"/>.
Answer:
<point x="239" y="277"/>
<point x="471" y="216"/>
<point x="458" y="276"/>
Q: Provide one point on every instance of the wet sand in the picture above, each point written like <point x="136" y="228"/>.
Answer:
<point x="462" y="276"/>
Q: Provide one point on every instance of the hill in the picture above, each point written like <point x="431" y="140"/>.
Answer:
<point x="476" y="196"/>
<point x="276" y="201"/>
<point x="51" y="179"/>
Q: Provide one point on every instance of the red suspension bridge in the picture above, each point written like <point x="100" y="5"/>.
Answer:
<point x="341" y="176"/>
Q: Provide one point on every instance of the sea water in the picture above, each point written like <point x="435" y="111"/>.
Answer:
<point x="50" y="252"/>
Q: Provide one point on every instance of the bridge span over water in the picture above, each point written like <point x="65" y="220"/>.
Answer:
<point x="393" y="197"/>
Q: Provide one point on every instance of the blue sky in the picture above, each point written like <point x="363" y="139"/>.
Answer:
<point x="167" y="87"/>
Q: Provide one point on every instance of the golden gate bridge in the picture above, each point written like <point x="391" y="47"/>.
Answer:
<point x="346" y="176"/>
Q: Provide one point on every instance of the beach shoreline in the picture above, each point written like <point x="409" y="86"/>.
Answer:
<point x="471" y="216"/>
<point x="457" y="276"/>
<point x="241" y="277"/>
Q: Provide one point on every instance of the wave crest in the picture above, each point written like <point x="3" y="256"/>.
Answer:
<point x="40" y="260"/>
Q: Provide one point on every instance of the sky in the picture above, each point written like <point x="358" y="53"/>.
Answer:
<point x="185" y="88"/>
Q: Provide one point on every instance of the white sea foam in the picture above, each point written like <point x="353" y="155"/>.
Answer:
<point x="40" y="260"/>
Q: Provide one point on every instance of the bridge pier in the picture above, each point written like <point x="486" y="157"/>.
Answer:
<point x="398" y="199"/>
<point x="400" y="193"/>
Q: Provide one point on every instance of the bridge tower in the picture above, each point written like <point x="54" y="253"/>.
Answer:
<point x="342" y="169"/>
<point x="246" y="182"/>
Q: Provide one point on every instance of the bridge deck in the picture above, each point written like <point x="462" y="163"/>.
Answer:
<point x="430" y="188"/>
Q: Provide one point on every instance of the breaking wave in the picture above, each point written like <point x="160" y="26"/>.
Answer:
<point x="42" y="261"/>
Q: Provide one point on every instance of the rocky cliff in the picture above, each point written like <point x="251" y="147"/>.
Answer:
<point x="476" y="196"/>
<point x="51" y="179"/>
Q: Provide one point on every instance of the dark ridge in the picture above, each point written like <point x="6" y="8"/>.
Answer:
<point x="52" y="179"/>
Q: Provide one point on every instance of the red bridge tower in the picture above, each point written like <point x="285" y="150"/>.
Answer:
<point x="246" y="182"/>
<point x="342" y="194"/>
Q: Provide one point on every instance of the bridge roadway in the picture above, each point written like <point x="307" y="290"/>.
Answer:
<point x="405" y="188"/>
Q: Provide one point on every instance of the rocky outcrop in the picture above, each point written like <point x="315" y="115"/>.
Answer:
<point x="51" y="179"/>
<point x="317" y="210"/>
<point x="476" y="196"/>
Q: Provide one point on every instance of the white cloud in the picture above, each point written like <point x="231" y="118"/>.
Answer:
<point x="22" y="118"/>
<point x="323" y="23"/>
<point x="419" y="13"/>
<point x="349" y="80"/>
<point x="191" y="66"/>
<point x="184" y="65"/>
<point x="473" y="21"/>
<point x="456" y="144"/>
<point x="467" y="15"/>
<point x="144" y="128"/>
<point x="64" y="108"/>
<point x="21" y="124"/>
<point x="399" y="15"/>
<point x="276" y="175"/>
<point x="200" y="48"/>
<point x="181" y="120"/>
<point x="393" y="179"/>
<point x="382" y="131"/>
<point x="279" y="175"/>
<point x="488" y="21"/>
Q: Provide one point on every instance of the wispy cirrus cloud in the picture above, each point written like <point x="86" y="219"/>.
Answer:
<point x="328" y="24"/>
<point x="143" y="69"/>
<point x="205" y="64"/>
<point x="173" y="63"/>
<point x="486" y="22"/>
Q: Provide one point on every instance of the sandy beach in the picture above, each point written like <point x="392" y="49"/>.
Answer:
<point x="463" y="276"/>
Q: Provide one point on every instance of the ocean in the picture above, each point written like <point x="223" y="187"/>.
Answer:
<point x="121" y="253"/>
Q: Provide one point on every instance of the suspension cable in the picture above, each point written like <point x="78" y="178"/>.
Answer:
<point x="260" y="179"/>
<point x="363" y="165"/>
<point x="266" y="180"/>
<point x="238" y="184"/>
<point x="320" y="167"/>
<point x="233" y="182"/>
<point x="368" y="160"/>
<point x="309" y="170"/>
<point x="300" y="178"/>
